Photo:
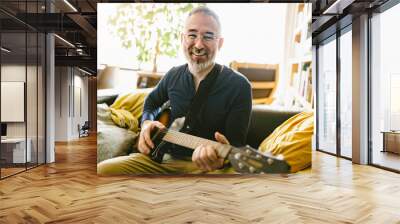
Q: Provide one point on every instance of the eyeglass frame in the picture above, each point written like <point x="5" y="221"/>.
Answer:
<point x="203" y="37"/>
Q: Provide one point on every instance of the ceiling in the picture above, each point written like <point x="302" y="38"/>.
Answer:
<point x="328" y="16"/>
<point x="76" y="22"/>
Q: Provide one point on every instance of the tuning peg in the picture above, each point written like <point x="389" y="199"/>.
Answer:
<point x="248" y="151"/>
<point x="270" y="161"/>
<point x="258" y="156"/>
<point x="240" y="165"/>
<point x="238" y="155"/>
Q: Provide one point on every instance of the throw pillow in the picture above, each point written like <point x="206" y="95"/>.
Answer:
<point x="127" y="109"/>
<point x="292" y="140"/>
<point x="112" y="140"/>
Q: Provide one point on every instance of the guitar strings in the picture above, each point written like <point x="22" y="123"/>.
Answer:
<point x="185" y="138"/>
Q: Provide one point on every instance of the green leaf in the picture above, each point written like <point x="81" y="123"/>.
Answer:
<point x="140" y="24"/>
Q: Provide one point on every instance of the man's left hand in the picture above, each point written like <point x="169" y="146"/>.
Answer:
<point x="205" y="156"/>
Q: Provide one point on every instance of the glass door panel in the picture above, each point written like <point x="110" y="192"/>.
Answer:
<point x="327" y="96"/>
<point x="385" y="89"/>
<point x="346" y="94"/>
<point x="13" y="86"/>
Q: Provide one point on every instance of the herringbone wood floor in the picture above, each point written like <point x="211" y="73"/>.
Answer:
<point x="69" y="191"/>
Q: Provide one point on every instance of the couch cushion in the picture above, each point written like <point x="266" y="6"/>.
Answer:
<point x="107" y="96"/>
<point x="264" y="119"/>
<point x="292" y="139"/>
<point x="112" y="140"/>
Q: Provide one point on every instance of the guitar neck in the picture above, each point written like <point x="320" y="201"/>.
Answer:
<point x="192" y="142"/>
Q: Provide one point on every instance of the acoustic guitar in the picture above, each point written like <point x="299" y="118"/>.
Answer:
<point x="243" y="159"/>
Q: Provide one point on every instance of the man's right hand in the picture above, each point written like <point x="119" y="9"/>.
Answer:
<point x="145" y="143"/>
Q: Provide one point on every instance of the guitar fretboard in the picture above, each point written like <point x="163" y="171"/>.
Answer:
<point x="192" y="142"/>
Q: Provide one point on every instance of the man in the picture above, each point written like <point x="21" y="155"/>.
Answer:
<point x="224" y="116"/>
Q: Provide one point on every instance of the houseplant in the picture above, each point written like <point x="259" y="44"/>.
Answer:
<point x="153" y="30"/>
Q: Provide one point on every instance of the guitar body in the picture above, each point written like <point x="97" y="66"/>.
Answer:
<point x="157" y="135"/>
<point x="157" y="154"/>
<point x="164" y="117"/>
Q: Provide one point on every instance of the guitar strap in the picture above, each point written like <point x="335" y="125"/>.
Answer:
<point x="194" y="123"/>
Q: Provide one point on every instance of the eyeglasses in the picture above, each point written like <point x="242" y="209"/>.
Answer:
<point x="208" y="37"/>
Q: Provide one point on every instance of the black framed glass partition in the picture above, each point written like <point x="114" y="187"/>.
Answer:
<point x="13" y="95"/>
<point x="345" y="93"/>
<point x="327" y="95"/>
<point x="22" y="66"/>
<point x="334" y="101"/>
<point x="371" y="68"/>
<point x="385" y="88"/>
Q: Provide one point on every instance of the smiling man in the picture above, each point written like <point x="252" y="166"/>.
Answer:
<point x="223" y="115"/>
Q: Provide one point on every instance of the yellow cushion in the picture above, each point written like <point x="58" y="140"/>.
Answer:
<point x="292" y="139"/>
<point x="127" y="108"/>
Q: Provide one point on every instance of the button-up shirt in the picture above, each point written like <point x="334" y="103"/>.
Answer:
<point x="227" y="107"/>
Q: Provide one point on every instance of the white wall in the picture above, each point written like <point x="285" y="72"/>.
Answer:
<point x="61" y="103"/>
<point x="33" y="127"/>
<point x="80" y="103"/>
<point x="70" y="83"/>
<point x="14" y="73"/>
<point x="82" y="82"/>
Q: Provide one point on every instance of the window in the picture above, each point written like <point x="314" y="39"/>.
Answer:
<point x="327" y="96"/>
<point x="22" y="69"/>
<point x="385" y="89"/>
<point x="346" y="93"/>
<point x="242" y="41"/>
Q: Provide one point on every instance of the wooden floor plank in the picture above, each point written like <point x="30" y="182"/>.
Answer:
<point x="69" y="191"/>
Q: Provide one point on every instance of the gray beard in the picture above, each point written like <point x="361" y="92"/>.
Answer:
<point x="196" y="67"/>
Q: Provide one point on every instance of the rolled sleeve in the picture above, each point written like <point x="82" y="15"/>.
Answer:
<point x="156" y="99"/>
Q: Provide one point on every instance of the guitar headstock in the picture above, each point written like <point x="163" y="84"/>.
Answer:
<point x="248" y="160"/>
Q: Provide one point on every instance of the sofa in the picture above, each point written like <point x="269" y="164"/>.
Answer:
<point x="115" y="141"/>
<point x="264" y="120"/>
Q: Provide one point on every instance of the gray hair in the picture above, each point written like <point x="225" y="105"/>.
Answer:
<point x="207" y="11"/>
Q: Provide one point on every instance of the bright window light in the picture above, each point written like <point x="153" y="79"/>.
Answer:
<point x="252" y="33"/>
